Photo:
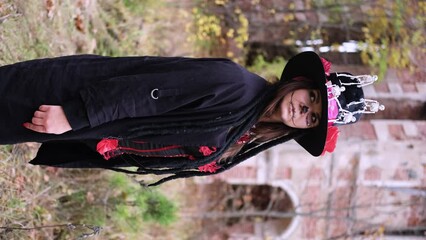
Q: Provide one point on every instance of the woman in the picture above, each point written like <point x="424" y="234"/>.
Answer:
<point x="179" y="116"/>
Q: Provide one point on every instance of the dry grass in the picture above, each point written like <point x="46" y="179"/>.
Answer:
<point x="32" y="29"/>
<point x="30" y="195"/>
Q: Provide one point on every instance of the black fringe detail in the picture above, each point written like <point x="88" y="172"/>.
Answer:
<point x="184" y="168"/>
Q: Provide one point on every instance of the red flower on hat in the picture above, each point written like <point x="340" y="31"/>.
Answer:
<point x="331" y="139"/>
<point x="209" y="167"/>
<point x="106" y="145"/>
<point x="327" y="66"/>
<point x="206" y="151"/>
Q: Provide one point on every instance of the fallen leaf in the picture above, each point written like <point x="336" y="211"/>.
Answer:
<point x="79" y="24"/>
<point x="90" y="198"/>
<point x="50" y="6"/>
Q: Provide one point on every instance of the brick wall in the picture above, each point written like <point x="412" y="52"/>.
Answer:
<point x="372" y="171"/>
<point x="378" y="168"/>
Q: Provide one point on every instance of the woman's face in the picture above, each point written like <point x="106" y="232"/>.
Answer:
<point x="301" y="108"/>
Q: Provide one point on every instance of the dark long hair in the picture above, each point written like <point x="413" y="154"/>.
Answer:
<point x="266" y="131"/>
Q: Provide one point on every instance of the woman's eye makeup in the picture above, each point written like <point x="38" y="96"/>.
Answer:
<point x="314" y="118"/>
<point x="312" y="96"/>
<point x="311" y="120"/>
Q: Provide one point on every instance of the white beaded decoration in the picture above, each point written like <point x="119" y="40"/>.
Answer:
<point x="349" y="117"/>
<point x="367" y="106"/>
<point x="336" y="90"/>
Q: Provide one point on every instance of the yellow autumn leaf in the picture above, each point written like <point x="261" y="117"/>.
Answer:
<point x="230" y="33"/>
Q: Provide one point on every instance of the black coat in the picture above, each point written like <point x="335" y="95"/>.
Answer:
<point x="190" y="102"/>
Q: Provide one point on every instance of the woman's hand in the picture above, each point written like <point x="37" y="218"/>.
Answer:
<point x="49" y="119"/>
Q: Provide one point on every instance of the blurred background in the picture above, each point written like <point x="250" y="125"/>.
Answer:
<point x="372" y="187"/>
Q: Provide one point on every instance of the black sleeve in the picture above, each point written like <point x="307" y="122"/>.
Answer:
<point x="76" y="114"/>
<point x="196" y="87"/>
<point x="117" y="98"/>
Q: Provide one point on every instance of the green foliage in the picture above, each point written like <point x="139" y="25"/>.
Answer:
<point x="77" y="197"/>
<point x="269" y="70"/>
<point x="206" y="29"/>
<point x="140" y="6"/>
<point x="131" y="27"/>
<point x="119" y="181"/>
<point x="120" y="203"/>
<point x="219" y="26"/>
<point x="159" y="209"/>
<point x="388" y="37"/>
<point x="133" y="204"/>
<point x="16" y="203"/>
<point x="75" y="207"/>
<point x="111" y="37"/>
<point x="38" y="212"/>
<point x="7" y="148"/>
<point x="125" y="218"/>
<point x="95" y="215"/>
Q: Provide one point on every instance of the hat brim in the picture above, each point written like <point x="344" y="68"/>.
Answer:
<point x="309" y="65"/>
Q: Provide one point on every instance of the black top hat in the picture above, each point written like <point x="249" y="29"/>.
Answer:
<point x="309" y="65"/>
<point x="342" y="97"/>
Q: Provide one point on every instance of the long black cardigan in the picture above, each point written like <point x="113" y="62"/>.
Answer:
<point x="185" y="101"/>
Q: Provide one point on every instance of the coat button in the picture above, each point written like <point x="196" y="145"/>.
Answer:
<point x="154" y="93"/>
